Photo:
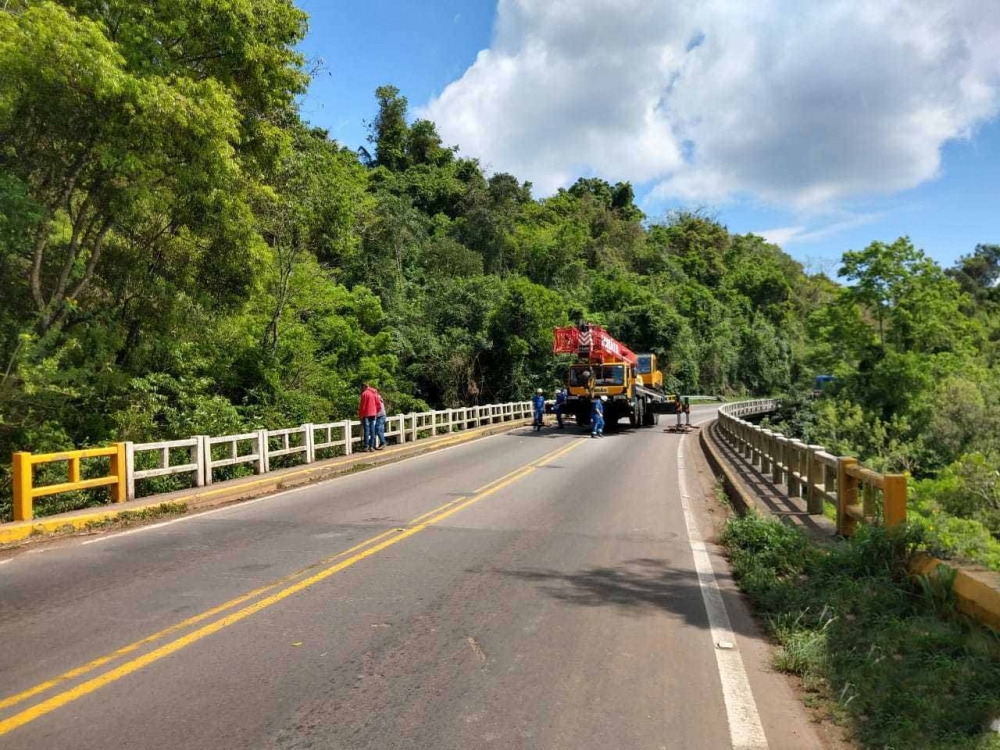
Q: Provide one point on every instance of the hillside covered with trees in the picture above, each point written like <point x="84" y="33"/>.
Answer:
<point x="181" y="253"/>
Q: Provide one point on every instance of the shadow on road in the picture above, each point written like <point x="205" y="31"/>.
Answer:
<point x="637" y="587"/>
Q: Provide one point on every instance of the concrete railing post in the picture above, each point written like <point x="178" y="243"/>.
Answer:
<point x="894" y="500"/>
<point x="847" y="496"/>
<point x="262" y="446"/>
<point x="129" y="470"/>
<point x="23" y="504"/>
<point x="765" y="452"/>
<point x="198" y="459"/>
<point x="794" y="453"/>
<point x="309" y="442"/>
<point x="348" y="438"/>
<point x="777" y="464"/>
<point x="814" y="477"/>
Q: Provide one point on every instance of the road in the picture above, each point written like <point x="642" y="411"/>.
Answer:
<point x="521" y="591"/>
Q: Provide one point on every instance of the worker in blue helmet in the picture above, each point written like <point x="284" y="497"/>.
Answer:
<point x="538" y="402"/>
<point x="560" y="405"/>
<point x="597" y="417"/>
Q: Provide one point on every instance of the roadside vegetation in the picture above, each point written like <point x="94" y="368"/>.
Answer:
<point x="180" y="253"/>
<point x="915" y="350"/>
<point x="888" y="657"/>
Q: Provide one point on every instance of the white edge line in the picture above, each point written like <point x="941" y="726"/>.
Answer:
<point x="244" y="503"/>
<point x="745" y="729"/>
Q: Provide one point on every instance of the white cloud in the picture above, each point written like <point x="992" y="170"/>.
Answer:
<point x="799" y="104"/>
<point x="798" y="235"/>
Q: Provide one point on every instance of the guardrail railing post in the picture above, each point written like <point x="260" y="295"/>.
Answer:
<point x="198" y="458"/>
<point x="129" y="470"/>
<point x="795" y="469"/>
<point x="777" y="458"/>
<point x="23" y="506"/>
<point x="119" y="490"/>
<point x="847" y="496"/>
<point x="894" y="500"/>
<point x="765" y="451"/>
<point x="814" y="474"/>
<point x="262" y="447"/>
<point x="309" y="441"/>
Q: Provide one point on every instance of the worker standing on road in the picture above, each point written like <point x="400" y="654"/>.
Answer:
<point x="687" y="411"/>
<point x="597" y="417"/>
<point x="679" y="408"/>
<point x="538" y="402"/>
<point x="367" y="412"/>
<point x="560" y="404"/>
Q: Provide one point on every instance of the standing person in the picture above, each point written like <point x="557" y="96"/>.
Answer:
<point x="380" y="418"/>
<point x="560" y="403"/>
<point x="538" y="402"/>
<point x="597" y="417"/>
<point x="367" y="411"/>
<point x="687" y="411"/>
<point x="679" y="405"/>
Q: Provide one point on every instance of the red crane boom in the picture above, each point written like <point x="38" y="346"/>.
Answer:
<point x="593" y="344"/>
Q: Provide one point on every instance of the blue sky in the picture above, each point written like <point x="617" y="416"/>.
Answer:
<point x="865" y="167"/>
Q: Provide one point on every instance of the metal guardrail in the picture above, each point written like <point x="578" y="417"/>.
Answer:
<point x="811" y="472"/>
<point x="25" y="490"/>
<point x="255" y="448"/>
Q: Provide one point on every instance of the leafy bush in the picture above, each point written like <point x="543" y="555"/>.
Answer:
<point x="887" y="655"/>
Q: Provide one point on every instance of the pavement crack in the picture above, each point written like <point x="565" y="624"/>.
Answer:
<point x="476" y="649"/>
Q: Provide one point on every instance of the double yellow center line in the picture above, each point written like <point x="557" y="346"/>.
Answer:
<point x="369" y="547"/>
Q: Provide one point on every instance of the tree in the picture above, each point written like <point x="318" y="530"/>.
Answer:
<point x="388" y="132"/>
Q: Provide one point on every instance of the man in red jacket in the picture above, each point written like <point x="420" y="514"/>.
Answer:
<point x="367" y="412"/>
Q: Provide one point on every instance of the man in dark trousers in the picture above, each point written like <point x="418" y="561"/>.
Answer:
<point x="367" y="412"/>
<point x="560" y="405"/>
<point x="538" y="402"/>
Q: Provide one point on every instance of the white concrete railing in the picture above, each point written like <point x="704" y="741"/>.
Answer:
<point x="259" y="447"/>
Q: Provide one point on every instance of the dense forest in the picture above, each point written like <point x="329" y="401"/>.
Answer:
<point x="181" y="253"/>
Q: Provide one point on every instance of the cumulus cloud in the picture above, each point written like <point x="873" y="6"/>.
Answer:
<point x="799" y="104"/>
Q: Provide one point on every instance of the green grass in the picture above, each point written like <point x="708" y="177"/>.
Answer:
<point x="889" y="657"/>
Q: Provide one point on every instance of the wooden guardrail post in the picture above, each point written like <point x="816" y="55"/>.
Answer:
<point x="894" y="500"/>
<point x="765" y="451"/>
<point x="23" y="506"/>
<point x="847" y="496"/>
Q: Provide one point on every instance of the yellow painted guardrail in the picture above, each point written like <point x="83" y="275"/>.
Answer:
<point x="812" y="473"/>
<point x="25" y="490"/>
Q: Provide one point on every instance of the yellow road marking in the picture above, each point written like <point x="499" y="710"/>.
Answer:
<point x="90" y="666"/>
<point x="90" y="686"/>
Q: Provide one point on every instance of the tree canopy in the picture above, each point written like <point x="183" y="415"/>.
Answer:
<point x="181" y="253"/>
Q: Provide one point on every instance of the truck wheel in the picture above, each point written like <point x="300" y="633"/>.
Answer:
<point x="648" y="419"/>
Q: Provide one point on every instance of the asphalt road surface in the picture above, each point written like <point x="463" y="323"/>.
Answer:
<point x="528" y="590"/>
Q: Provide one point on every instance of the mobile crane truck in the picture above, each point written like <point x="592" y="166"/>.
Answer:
<point x="606" y="367"/>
